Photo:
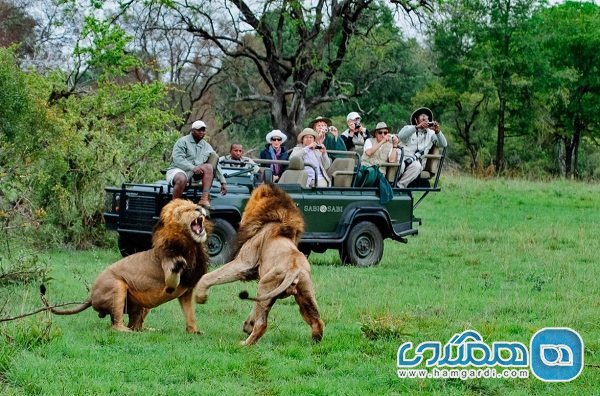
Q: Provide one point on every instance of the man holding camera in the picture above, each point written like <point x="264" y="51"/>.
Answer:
<point x="327" y="134"/>
<point x="356" y="134"/>
<point x="417" y="139"/>
<point x="379" y="150"/>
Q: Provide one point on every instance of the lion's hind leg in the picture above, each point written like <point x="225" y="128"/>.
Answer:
<point x="261" y="314"/>
<point x="118" y="308"/>
<point x="305" y="298"/>
<point x="137" y="314"/>
<point x="249" y="322"/>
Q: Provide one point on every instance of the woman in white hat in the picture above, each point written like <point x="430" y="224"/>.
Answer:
<point x="314" y="156"/>
<point x="274" y="151"/>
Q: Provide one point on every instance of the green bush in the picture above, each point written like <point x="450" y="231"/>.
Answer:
<point x="56" y="158"/>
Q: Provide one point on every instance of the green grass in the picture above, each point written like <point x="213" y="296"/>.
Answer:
<point x="503" y="257"/>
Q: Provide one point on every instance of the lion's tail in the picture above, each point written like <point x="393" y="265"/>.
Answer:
<point x="290" y="280"/>
<point x="80" y="308"/>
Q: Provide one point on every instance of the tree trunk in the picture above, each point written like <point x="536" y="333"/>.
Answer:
<point x="500" y="138"/>
<point x="572" y="151"/>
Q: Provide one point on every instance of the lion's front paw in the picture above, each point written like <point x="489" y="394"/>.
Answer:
<point x="201" y="298"/>
<point x="193" y="330"/>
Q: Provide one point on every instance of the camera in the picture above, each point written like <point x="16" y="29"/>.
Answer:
<point x="319" y="146"/>
<point x="357" y="125"/>
<point x="416" y="156"/>
<point x="430" y="124"/>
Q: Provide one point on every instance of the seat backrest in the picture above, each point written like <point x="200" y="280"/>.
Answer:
<point x="432" y="164"/>
<point x="390" y="173"/>
<point x="295" y="173"/>
<point x="342" y="172"/>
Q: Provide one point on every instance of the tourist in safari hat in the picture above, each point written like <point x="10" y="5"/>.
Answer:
<point x="328" y="134"/>
<point x="379" y="149"/>
<point x="315" y="158"/>
<point x="417" y="139"/>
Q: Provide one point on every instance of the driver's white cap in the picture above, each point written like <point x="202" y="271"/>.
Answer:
<point x="198" y="124"/>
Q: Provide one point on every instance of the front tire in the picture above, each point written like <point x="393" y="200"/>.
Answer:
<point x="364" y="246"/>
<point x="306" y="250"/>
<point x="221" y="242"/>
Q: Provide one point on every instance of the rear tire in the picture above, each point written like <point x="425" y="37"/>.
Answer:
<point x="133" y="243"/>
<point x="364" y="246"/>
<point x="221" y="242"/>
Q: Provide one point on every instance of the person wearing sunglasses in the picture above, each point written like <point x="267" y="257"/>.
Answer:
<point x="274" y="151"/>
<point x="417" y="139"/>
<point x="379" y="149"/>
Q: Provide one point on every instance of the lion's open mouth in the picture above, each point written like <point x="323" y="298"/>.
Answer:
<point x="196" y="226"/>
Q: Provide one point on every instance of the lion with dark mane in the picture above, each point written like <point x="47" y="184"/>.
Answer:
<point x="268" y="237"/>
<point x="145" y="280"/>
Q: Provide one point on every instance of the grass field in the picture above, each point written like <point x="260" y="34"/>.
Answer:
<point x="503" y="257"/>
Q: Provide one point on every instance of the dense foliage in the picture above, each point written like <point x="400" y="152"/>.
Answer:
<point x="56" y="158"/>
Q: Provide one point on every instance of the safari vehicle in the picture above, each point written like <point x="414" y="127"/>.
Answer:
<point x="347" y="216"/>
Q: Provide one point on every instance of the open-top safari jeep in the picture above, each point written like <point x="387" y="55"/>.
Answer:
<point x="348" y="216"/>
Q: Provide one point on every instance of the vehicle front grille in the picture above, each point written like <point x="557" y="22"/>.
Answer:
<point x="139" y="212"/>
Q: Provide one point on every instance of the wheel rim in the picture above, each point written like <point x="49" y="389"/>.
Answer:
<point x="215" y="245"/>
<point x="364" y="246"/>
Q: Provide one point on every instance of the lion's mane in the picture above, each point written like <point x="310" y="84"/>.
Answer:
<point x="171" y="239"/>
<point x="269" y="204"/>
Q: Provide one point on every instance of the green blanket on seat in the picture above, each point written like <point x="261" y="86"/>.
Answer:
<point x="369" y="176"/>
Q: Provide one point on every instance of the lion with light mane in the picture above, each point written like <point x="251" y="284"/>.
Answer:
<point x="137" y="283"/>
<point x="268" y="236"/>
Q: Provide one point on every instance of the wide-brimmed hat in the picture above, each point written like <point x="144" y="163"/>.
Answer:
<point x="198" y="125"/>
<point x="381" y="125"/>
<point x="418" y="112"/>
<point x="305" y="132"/>
<point x="352" y="116"/>
<point x="276" y="133"/>
<point x="319" y="118"/>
